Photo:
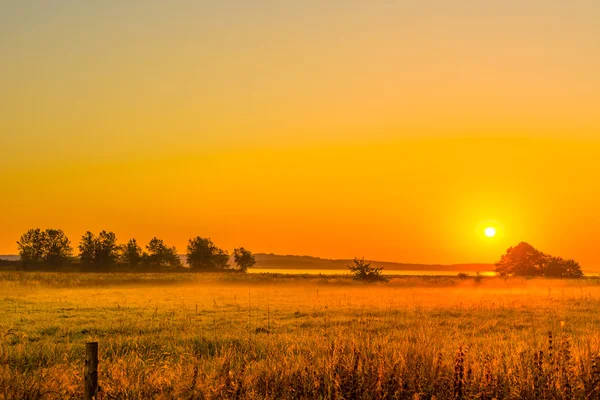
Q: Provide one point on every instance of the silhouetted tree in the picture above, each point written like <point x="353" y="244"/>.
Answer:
<point x="87" y="248"/>
<point x="50" y="248"/>
<point x="131" y="253"/>
<point x="203" y="255"/>
<point x="107" y="252"/>
<point x="31" y="247"/>
<point x="243" y="258"/>
<point x="58" y="248"/>
<point x="160" y="255"/>
<point x="560" y="268"/>
<point x="101" y="251"/>
<point x="364" y="272"/>
<point x="525" y="260"/>
<point x="221" y="260"/>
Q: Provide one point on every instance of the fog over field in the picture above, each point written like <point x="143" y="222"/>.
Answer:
<point x="246" y="336"/>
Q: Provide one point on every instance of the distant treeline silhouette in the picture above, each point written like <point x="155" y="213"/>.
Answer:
<point x="51" y="249"/>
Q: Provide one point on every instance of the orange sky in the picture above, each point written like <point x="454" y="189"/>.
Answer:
<point x="391" y="131"/>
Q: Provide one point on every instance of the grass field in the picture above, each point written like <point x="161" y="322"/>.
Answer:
<point x="194" y="336"/>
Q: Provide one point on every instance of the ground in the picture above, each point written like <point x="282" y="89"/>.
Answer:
<point x="267" y="336"/>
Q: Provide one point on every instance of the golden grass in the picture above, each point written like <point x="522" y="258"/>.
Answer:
<point x="245" y="336"/>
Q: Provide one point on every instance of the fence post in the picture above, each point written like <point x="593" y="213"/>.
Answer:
<point x="91" y="371"/>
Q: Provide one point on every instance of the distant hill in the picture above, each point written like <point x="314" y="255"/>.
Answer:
<point x="9" y="257"/>
<point x="274" y="261"/>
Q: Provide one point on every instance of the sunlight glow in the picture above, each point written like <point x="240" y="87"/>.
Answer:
<point x="490" y="232"/>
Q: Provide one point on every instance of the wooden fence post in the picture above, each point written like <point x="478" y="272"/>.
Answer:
<point x="91" y="371"/>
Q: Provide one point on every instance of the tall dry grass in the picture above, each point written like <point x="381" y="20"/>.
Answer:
<point x="207" y="336"/>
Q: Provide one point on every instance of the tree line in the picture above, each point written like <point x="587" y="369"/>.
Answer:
<point x="51" y="249"/>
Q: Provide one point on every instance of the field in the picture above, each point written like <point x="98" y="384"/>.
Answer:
<point x="195" y="336"/>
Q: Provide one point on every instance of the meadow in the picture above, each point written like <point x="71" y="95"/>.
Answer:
<point x="257" y="336"/>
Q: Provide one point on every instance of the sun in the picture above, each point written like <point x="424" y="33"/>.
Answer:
<point x="490" y="232"/>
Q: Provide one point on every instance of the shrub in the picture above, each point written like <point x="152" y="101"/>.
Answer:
<point x="364" y="272"/>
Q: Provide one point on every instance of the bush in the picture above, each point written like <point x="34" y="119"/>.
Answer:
<point x="478" y="277"/>
<point x="364" y="272"/>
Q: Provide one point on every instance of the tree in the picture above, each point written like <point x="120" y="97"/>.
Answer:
<point x="243" y="258"/>
<point x="107" y="251"/>
<point x="31" y="247"/>
<point x="203" y="255"/>
<point x="131" y="253"/>
<point x="58" y="248"/>
<point x="221" y="260"/>
<point x="572" y="269"/>
<point x="161" y="255"/>
<point x="523" y="260"/>
<point x="364" y="272"/>
<point x="50" y="248"/>
<point x="560" y="268"/>
<point x="87" y="248"/>
<point x="100" y="251"/>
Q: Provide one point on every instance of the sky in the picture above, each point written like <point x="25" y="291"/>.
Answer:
<point x="393" y="130"/>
